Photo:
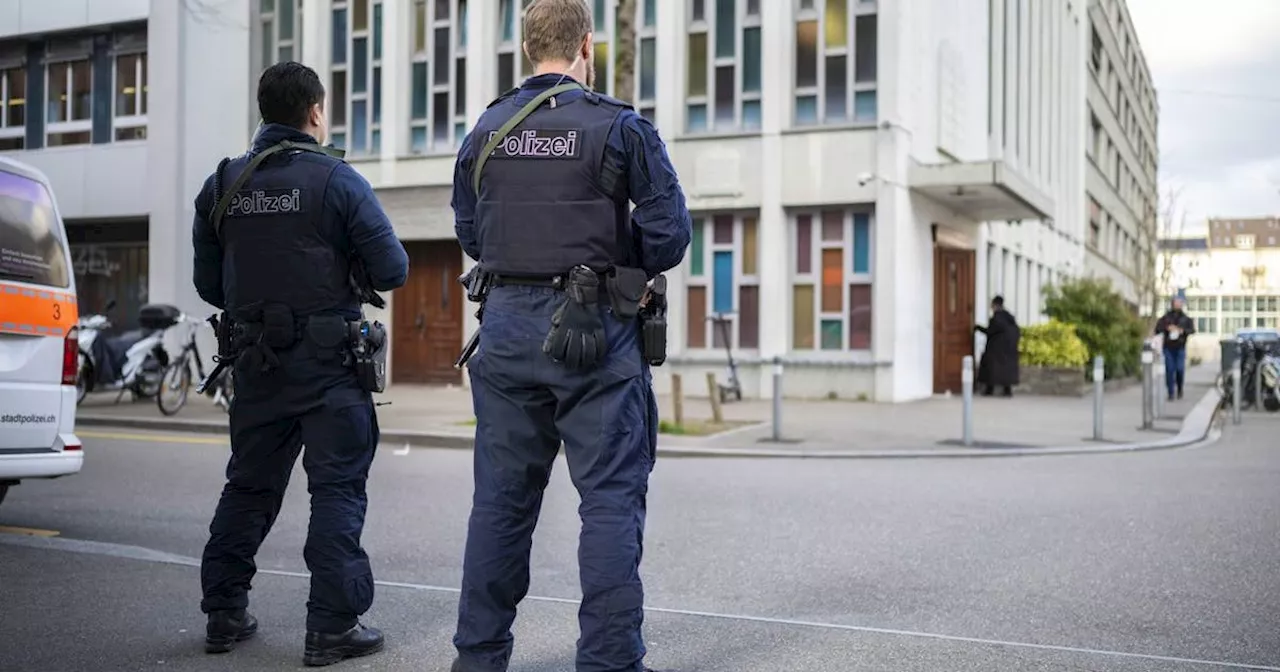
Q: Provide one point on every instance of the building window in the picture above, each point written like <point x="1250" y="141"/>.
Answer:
<point x="724" y="61"/>
<point x="1207" y="325"/>
<point x="836" y="43"/>
<point x="281" y="31"/>
<point x="646" y="93"/>
<point x="438" y="112"/>
<point x="831" y="281"/>
<point x="723" y="293"/>
<point x="1095" y="224"/>
<point x="70" y="98"/>
<point x="1202" y="304"/>
<point x="355" y="98"/>
<point x="1231" y="325"/>
<point x="510" y="29"/>
<point x="13" y="108"/>
<point x="130" y="118"/>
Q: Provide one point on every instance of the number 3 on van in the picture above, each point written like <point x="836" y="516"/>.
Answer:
<point x="34" y="311"/>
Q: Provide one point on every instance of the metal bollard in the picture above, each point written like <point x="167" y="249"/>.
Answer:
<point x="966" y="388"/>
<point x="1257" y="386"/>
<point x="1159" y="389"/>
<point x="1099" y="385"/>
<point x="777" y="398"/>
<point x="1237" y="391"/>
<point x="1147" y="358"/>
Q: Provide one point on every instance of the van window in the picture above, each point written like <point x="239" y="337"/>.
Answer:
<point x="31" y="245"/>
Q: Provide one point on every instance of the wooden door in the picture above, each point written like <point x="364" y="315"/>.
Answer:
<point x="953" y="304"/>
<point x="426" y="315"/>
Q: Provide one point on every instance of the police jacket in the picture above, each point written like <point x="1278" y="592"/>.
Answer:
<point x="554" y="193"/>
<point x="289" y="234"/>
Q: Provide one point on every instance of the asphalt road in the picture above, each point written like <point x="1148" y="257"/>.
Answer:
<point x="1167" y="560"/>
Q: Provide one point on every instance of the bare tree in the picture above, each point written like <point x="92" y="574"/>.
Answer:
<point x="1171" y="223"/>
<point x="625" y="50"/>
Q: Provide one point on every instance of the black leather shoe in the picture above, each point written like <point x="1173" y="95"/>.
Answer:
<point x="225" y="628"/>
<point x="326" y="649"/>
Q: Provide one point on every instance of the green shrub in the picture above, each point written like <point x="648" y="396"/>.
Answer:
<point x="1102" y="320"/>
<point x="1053" y="344"/>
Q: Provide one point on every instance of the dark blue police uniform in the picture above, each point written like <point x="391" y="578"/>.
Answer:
<point x="554" y="196"/>
<point x="283" y="259"/>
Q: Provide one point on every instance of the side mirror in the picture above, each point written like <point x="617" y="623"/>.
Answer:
<point x="110" y="305"/>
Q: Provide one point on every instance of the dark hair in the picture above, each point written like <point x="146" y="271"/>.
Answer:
<point x="286" y="93"/>
<point x="998" y="302"/>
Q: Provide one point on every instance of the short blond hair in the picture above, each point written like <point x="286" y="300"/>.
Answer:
<point x="554" y="29"/>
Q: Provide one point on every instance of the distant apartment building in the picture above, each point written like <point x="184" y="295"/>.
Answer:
<point x="1121" y="144"/>
<point x="1230" y="277"/>
<point x="126" y="105"/>
<point x="910" y="161"/>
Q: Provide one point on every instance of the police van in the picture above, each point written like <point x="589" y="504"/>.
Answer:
<point x="38" y="348"/>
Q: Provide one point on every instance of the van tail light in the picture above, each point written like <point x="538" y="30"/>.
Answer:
<point x="70" y="357"/>
<point x="70" y="446"/>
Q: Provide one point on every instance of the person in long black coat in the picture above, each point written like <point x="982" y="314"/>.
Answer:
<point x="999" y="365"/>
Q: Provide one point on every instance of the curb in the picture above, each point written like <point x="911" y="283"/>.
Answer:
<point x="1196" y="428"/>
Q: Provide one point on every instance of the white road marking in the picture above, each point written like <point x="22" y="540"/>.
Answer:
<point x="150" y="555"/>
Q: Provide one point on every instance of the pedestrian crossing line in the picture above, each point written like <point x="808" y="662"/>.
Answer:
<point x="150" y="555"/>
<point x="28" y="531"/>
<point x="155" y="438"/>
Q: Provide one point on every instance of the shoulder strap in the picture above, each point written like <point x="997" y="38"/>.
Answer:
<point x="225" y="202"/>
<point x="511" y="124"/>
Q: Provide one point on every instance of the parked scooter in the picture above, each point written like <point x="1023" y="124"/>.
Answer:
<point x="732" y="389"/>
<point x="133" y="361"/>
<point x="1269" y="369"/>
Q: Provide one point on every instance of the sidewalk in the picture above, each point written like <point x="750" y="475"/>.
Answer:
<point x="442" y="418"/>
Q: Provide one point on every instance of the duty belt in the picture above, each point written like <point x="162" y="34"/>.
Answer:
<point x="552" y="282"/>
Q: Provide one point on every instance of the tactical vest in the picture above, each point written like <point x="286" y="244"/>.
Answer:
<point x="541" y="206"/>
<point x="274" y="250"/>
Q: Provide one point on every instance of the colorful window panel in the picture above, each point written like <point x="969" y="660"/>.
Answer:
<point x="724" y="61"/>
<point x="831" y="292"/>
<point x="355" y="100"/>
<point x="723" y="282"/>
<point x="438" y="76"/>
<point x="835" y="62"/>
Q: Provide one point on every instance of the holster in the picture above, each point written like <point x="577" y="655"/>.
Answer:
<point x="368" y="342"/>
<point x="626" y="287"/>
<point x="653" y="323"/>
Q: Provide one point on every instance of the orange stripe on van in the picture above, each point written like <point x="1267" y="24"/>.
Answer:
<point x="36" y="312"/>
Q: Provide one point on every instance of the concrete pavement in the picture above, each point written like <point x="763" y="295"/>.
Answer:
<point x="1160" y="560"/>
<point x="1023" y="425"/>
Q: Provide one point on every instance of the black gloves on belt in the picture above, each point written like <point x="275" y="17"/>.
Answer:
<point x="577" y="336"/>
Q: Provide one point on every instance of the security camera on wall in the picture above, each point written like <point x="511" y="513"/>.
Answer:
<point x="865" y="178"/>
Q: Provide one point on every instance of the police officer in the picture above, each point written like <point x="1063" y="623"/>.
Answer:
<point x="278" y="232"/>
<point x="541" y="191"/>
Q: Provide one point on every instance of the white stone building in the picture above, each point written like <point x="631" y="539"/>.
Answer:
<point x="1122" y="148"/>
<point x="1230" y="278"/>
<point x="917" y="158"/>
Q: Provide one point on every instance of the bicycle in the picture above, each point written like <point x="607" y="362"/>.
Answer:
<point x="177" y="377"/>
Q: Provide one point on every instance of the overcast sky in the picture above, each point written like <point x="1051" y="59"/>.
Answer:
<point x="1216" y="66"/>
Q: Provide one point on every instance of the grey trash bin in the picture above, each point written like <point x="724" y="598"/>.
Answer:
<point x="1230" y="353"/>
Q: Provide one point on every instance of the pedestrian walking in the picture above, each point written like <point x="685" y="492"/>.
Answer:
<point x="567" y="336"/>
<point x="289" y="242"/>
<point x="999" y="365"/>
<point x="1174" y="328"/>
